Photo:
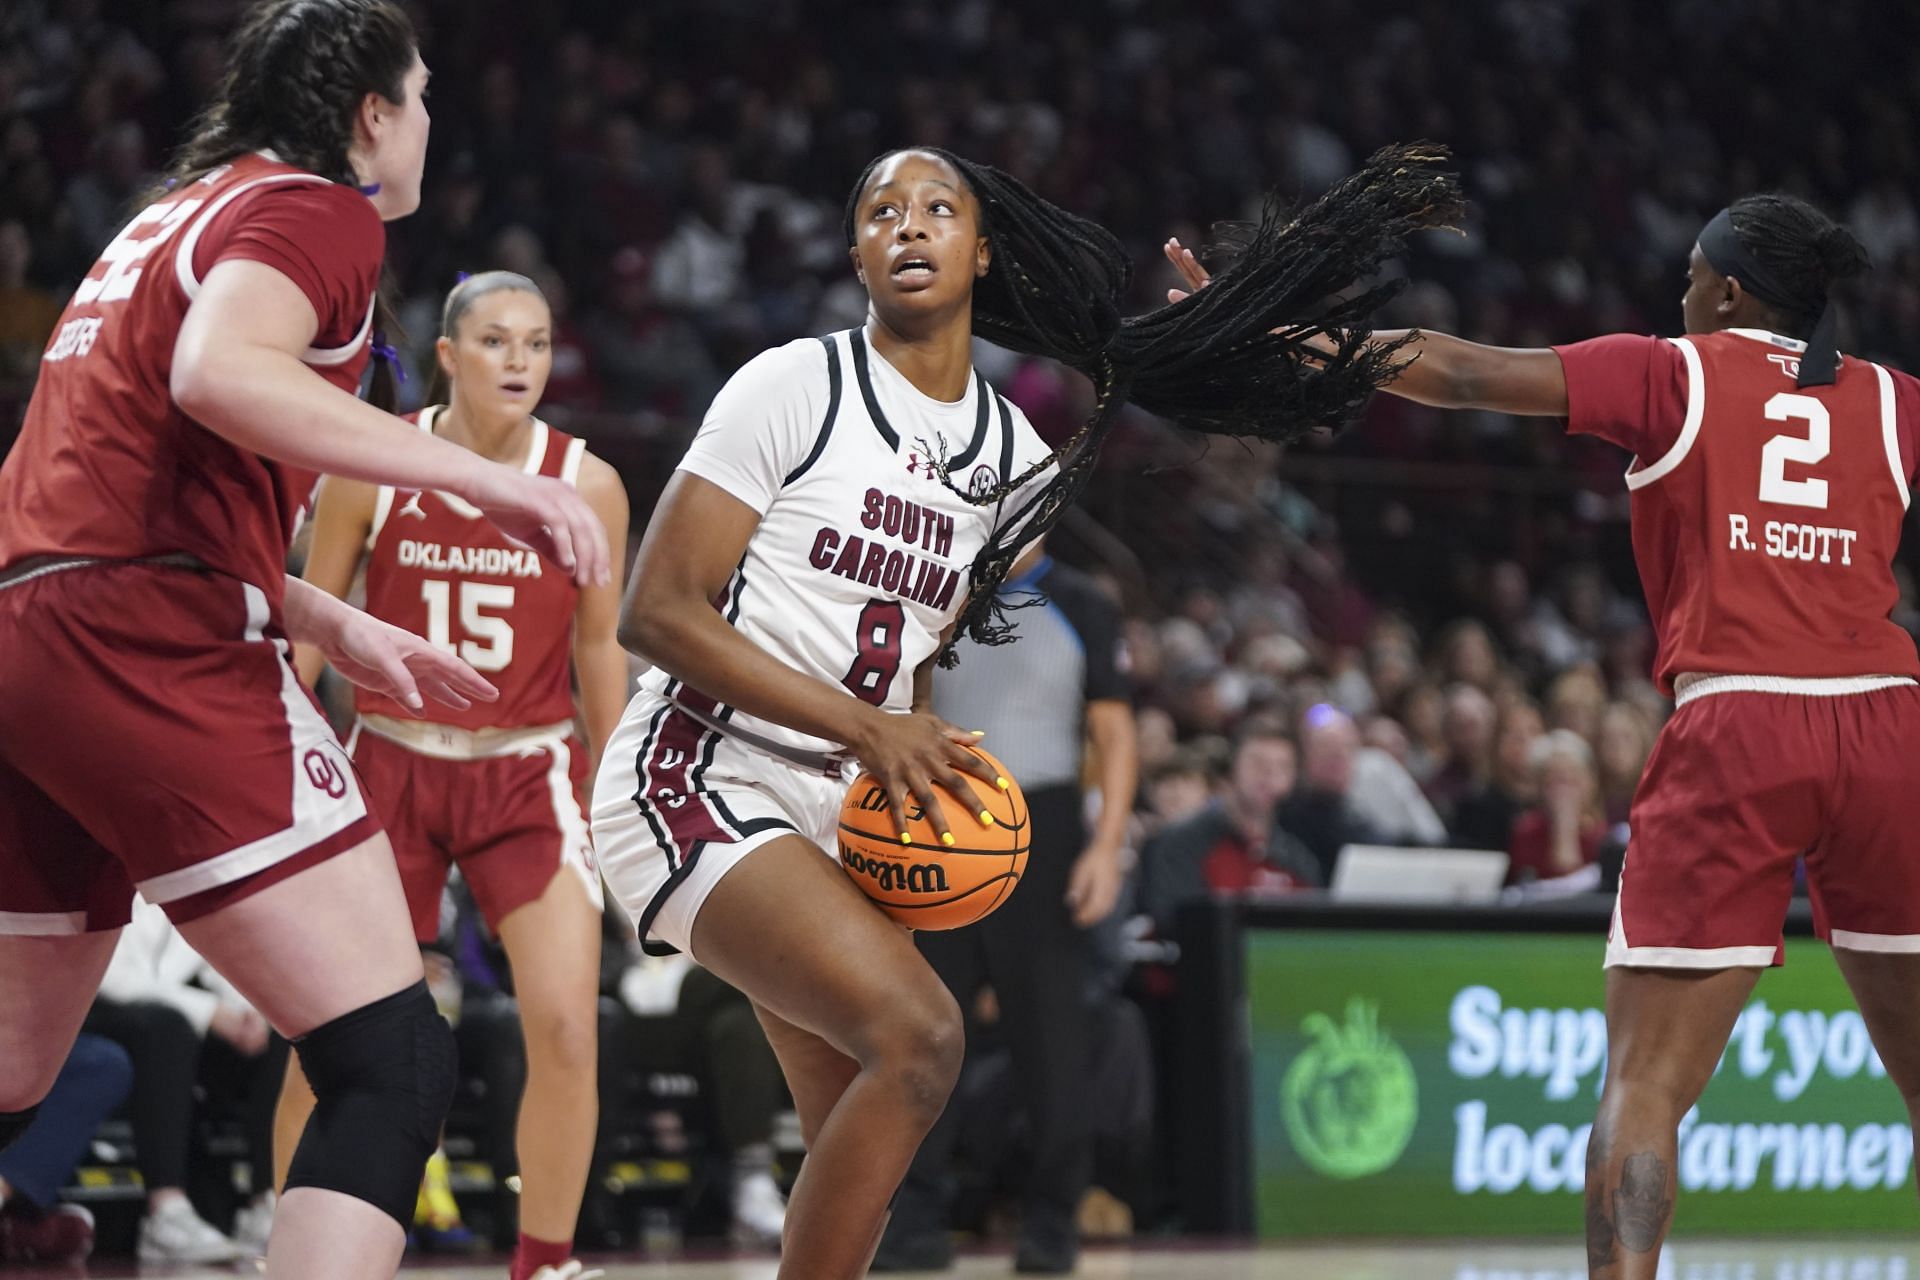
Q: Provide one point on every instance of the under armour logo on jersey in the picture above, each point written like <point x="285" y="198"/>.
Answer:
<point x="412" y="506"/>
<point x="1789" y="365"/>
<point x="324" y="774"/>
<point x="914" y="464"/>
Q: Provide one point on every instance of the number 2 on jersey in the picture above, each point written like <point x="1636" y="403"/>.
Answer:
<point x="497" y="633"/>
<point x="1805" y="450"/>
<point x="876" y="658"/>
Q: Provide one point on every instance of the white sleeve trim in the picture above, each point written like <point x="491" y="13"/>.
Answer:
<point x="1890" y="433"/>
<point x="1689" y="431"/>
<point x="570" y="465"/>
<point x="183" y="256"/>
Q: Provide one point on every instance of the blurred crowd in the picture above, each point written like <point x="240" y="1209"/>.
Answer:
<point x="1425" y="632"/>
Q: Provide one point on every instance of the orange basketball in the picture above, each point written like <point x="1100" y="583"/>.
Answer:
<point x="928" y="885"/>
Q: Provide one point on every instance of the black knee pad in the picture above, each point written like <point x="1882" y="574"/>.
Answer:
<point x="382" y="1079"/>
<point x="15" y="1123"/>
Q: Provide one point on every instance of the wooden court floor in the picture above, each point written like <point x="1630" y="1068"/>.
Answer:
<point x="1692" y="1260"/>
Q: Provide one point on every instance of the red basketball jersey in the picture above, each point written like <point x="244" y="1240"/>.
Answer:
<point x="107" y="464"/>
<point x="1766" y="516"/>
<point x="439" y="568"/>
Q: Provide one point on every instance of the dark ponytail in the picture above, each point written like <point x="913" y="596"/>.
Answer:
<point x="1233" y="359"/>
<point x="297" y="72"/>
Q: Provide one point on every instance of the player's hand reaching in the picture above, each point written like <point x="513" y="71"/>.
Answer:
<point x="914" y="754"/>
<point x="1195" y="275"/>
<point x="402" y="665"/>
<point x="547" y="515"/>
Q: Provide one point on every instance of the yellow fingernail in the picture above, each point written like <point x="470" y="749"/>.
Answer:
<point x="946" y="838"/>
<point x="986" y="819"/>
<point x="979" y="733"/>
<point x="1002" y="783"/>
<point x="906" y="837"/>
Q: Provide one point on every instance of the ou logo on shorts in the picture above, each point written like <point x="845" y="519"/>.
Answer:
<point x="324" y="774"/>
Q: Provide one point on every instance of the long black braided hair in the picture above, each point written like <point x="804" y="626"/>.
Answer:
<point x="1232" y="359"/>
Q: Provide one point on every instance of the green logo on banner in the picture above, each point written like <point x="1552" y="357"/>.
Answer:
<point x="1349" y="1099"/>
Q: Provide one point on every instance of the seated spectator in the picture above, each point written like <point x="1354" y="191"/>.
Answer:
<point x="183" y="1024"/>
<point x="1178" y="789"/>
<point x="1467" y="728"/>
<point x="679" y="1017"/>
<point x="1561" y="836"/>
<point x="1320" y="813"/>
<point x="1625" y="742"/>
<point x="34" y="1226"/>
<point x="1485" y="816"/>
<point x="1383" y="796"/>
<point x="1234" y="844"/>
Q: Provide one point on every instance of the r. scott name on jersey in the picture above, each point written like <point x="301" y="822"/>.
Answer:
<point x="498" y="562"/>
<point x="889" y="876"/>
<point x="901" y="572"/>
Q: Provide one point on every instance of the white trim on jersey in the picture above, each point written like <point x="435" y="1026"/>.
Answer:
<point x="42" y="924"/>
<point x="1890" y="433"/>
<point x="1689" y="430"/>
<point x="536" y="449"/>
<point x="383" y="501"/>
<point x="316" y="816"/>
<point x="1621" y="955"/>
<point x="1793" y="686"/>
<point x="570" y="465"/>
<point x="1886" y="943"/>
<point x="1775" y="339"/>
<point x="190" y="283"/>
<point x="576" y="844"/>
<point x="190" y="239"/>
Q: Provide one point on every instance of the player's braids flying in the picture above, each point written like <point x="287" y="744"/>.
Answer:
<point x="1805" y="252"/>
<point x="297" y="72"/>
<point x="1232" y="359"/>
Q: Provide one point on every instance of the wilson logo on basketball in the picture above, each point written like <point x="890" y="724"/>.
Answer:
<point x="875" y="801"/>
<point x="324" y="773"/>
<point x="891" y="877"/>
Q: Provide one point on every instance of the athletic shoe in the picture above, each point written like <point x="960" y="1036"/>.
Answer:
<point x="62" y="1235"/>
<point x="903" y="1250"/>
<point x="178" y="1234"/>
<point x="1049" y="1244"/>
<point x="759" y="1212"/>
<point x="571" y="1269"/>
<point x="253" y="1224"/>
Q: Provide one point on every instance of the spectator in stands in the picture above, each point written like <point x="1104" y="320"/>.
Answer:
<point x="27" y="316"/>
<point x="1234" y="844"/>
<point x="183" y="1023"/>
<point x="34" y="1225"/>
<point x="1467" y="729"/>
<point x="1621" y="749"/>
<point x="1485" y="815"/>
<point x="1560" y="837"/>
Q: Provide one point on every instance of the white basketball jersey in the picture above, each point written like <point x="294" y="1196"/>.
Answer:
<point x="861" y="557"/>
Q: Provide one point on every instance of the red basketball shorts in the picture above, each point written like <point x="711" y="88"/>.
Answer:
<point x="502" y="805"/>
<point x="1746" y="779"/>
<point x="153" y="736"/>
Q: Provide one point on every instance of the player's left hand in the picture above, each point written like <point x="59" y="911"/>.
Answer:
<point x="403" y="666"/>
<point x="1093" y="887"/>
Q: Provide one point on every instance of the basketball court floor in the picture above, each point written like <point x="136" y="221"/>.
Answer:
<point x="1692" y="1260"/>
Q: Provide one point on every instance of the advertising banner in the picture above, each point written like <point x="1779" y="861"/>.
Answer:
<point x="1435" y="1083"/>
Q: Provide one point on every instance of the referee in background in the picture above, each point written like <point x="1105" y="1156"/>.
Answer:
<point x="1044" y="702"/>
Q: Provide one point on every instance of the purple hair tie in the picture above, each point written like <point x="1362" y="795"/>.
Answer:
<point x="370" y="190"/>
<point x="461" y="277"/>
<point x="172" y="183"/>
<point x="384" y="352"/>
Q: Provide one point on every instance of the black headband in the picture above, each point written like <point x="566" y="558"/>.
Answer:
<point x="1720" y="245"/>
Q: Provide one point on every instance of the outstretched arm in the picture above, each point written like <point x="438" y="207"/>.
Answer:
<point x="1441" y="370"/>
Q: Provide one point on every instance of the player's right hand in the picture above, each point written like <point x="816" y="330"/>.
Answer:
<point x="914" y="754"/>
<point x="547" y="515"/>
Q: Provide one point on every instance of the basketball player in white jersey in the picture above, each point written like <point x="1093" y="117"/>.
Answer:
<point x="848" y="502"/>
